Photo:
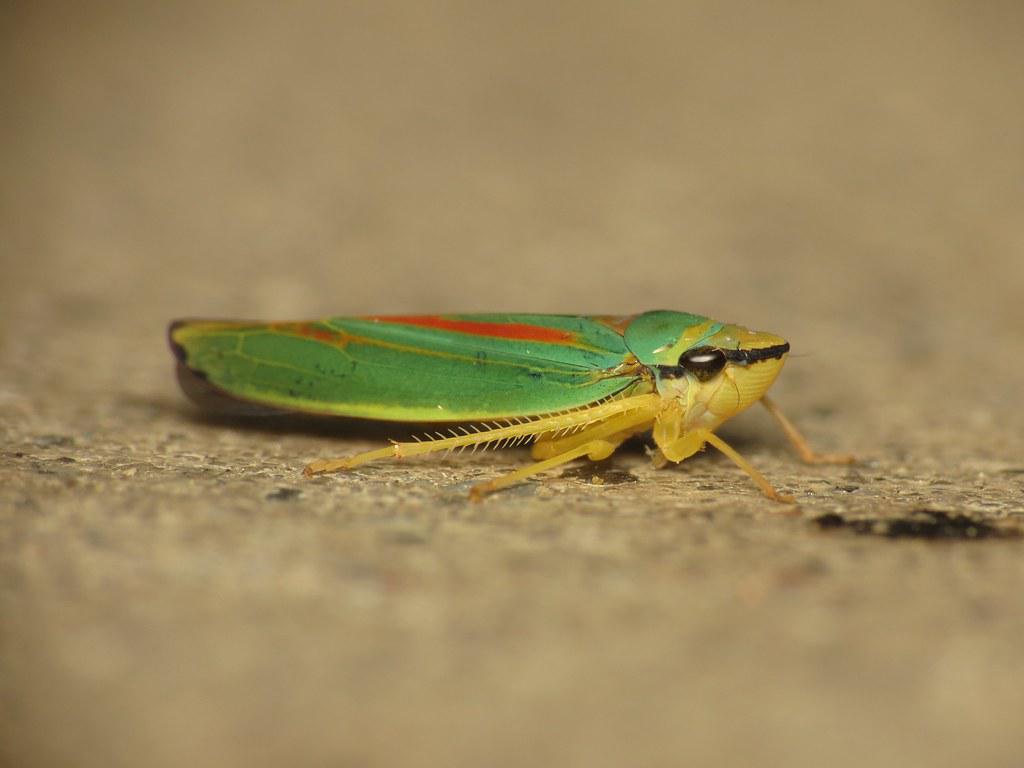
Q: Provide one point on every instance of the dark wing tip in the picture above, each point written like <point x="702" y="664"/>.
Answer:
<point x="176" y="348"/>
<point x="197" y="386"/>
<point x="215" y="401"/>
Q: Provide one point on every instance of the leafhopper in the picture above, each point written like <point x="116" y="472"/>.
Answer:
<point x="568" y="385"/>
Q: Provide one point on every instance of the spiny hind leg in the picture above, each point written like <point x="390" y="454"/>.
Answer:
<point x="593" y="421"/>
<point x="475" y="437"/>
<point x="799" y="442"/>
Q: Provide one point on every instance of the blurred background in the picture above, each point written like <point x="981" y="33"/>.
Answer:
<point x="847" y="175"/>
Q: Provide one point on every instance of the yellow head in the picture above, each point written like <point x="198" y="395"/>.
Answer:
<point x="714" y="370"/>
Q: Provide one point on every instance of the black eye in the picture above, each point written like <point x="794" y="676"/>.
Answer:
<point x="703" y="362"/>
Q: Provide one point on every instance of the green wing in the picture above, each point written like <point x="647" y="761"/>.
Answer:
<point x="417" y="368"/>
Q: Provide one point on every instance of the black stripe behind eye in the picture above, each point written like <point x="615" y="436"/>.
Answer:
<point x="747" y="356"/>
<point x="738" y="356"/>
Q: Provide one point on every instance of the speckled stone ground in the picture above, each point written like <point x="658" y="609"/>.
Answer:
<point x="173" y="592"/>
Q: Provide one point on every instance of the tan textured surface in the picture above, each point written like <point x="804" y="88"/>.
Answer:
<point x="849" y="177"/>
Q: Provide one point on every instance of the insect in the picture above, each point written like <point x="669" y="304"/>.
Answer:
<point x="571" y="386"/>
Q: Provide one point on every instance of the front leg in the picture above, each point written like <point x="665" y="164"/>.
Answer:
<point x="799" y="442"/>
<point x="674" y="445"/>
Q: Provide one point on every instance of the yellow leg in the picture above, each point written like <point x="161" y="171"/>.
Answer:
<point x="799" y="442"/>
<point x="658" y="458"/>
<point x="477" y="491"/>
<point x="545" y="449"/>
<point x="597" y="442"/>
<point x="631" y="409"/>
<point x="324" y="466"/>
<point x="762" y="482"/>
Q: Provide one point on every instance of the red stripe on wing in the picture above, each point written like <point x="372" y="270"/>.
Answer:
<point x="517" y="331"/>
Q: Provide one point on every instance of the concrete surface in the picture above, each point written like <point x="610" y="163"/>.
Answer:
<point x="172" y="592"/>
